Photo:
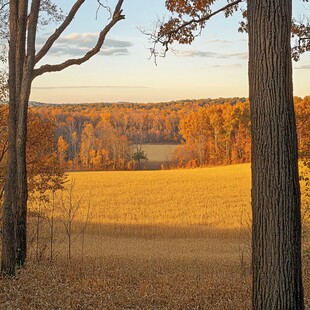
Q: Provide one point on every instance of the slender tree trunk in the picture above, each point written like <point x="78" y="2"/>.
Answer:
<point x="21" y="124"/>
<point x="26" y="67"/>
<point x="21" y="214"/>
<point x="277" y="277"/>
<point x="52" y="227"/>
<point x="8" y="230"/>
<point x="38" y="233"/>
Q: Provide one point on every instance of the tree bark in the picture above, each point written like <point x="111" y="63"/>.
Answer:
<point x="277" y="272"/>
<point x="23" y="96"/>
<point x="8" y="229"/>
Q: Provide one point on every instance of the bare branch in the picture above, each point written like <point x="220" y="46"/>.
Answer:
<point x="51" y="40"/>
<point x="166" y="38"/>
<point x="3" y="5"/>
<point x="117" y="16"/>
<point x="106" y="7"/>
<point x="200" y="20"/>
<point x="118" y="8"/>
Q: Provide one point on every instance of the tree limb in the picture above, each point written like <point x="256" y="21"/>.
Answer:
<point x="29" y="61"/>
<point x="178" y="29"/>
<point x="32" y="27"/>
<point x="51" y="40"/>
<point x="100" y="5"/>
<point x="118" y="8"/>
<point x="3" y="5"/>
<point x="194" y="21"/>
<point x="117" y="16"/>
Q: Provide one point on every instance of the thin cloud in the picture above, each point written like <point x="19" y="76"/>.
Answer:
<point x="224" y="42"/>
<point x="89" y="39"/>
<point x="303" y="67"/>
<point x="219" y="41"/>
<point x="90" y="87"/>
<point x="234" y="66"/>
<point x="77" y="44"/>
<point x="196" y="53"/>
<point x="114" y="51"/>
<point x="238" y="55"/>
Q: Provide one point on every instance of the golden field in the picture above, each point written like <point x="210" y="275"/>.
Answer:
<point x="209" y="197"/>
<point x="176" y="239"/>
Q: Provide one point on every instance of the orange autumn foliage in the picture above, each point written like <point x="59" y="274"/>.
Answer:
<point x="44" y="170"/>
<point x="209" y="131"/>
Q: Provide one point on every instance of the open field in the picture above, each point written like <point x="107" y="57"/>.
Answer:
<point x="210" y="198"/>
<point x="175" y="239"/>
<point x="158" y="154"/>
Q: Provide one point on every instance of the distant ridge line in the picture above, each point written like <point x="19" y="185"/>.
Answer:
<point x="219" y="100"/>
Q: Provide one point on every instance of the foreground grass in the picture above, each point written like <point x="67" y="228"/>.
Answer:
<point x="126" y="283"/>
<point x="138" y="273"/>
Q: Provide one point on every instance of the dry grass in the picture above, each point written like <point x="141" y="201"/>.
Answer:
<point x="159" y="152"/>
<point x="210" y="197"/>
<point x="136" y="273"/>
<point x="156" y="240"/>
<point x="125" y="283"/>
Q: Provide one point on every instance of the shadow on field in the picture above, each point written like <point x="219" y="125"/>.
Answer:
<point x="162" y="231"/>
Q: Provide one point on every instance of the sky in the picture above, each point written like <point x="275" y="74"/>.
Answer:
<point x="215" y="65"/>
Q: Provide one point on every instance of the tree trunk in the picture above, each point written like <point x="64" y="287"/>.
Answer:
<point x="26" y="22"/>
<point x="8" y="227"/>
<point x="277" y="276"/>
<point x="20" y="79"/>
<point x="21" y="214"/>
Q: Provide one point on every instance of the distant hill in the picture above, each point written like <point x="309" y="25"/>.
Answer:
<point x="41" y="104"/>
<point x="160" y="105"/>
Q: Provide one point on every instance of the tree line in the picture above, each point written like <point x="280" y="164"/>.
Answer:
<point x="209" y="132"/>
<point x="108" y="136"/>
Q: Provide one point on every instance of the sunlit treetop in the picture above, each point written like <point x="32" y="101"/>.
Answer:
<point x="189" y="17"/>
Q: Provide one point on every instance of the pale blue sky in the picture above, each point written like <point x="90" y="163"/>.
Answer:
<point x="215" y="65"/>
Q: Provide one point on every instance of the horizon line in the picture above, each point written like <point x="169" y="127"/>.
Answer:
<point x="88" y="86"/>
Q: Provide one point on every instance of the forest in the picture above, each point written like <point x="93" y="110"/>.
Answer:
<point x="107" y="136"/>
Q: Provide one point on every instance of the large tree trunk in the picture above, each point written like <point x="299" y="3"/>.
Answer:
<point x="277" y="276"/>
